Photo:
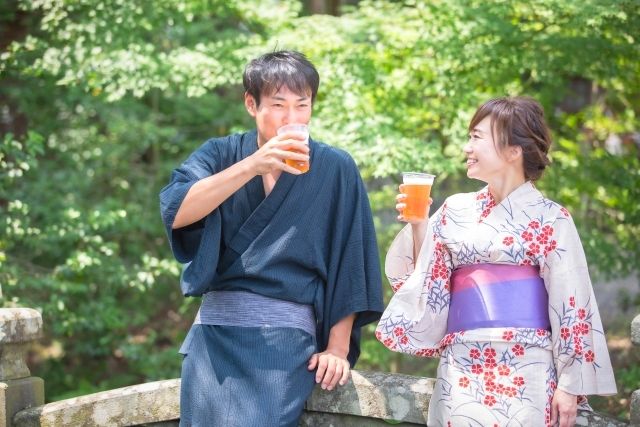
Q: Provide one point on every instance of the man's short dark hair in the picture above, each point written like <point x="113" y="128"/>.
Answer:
<point x="268" y="73"/>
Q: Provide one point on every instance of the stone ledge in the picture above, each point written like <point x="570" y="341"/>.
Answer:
<point x="635" y="330"/>
<point x="377" y="395"/>
<point x="19" y="325"/>
<point x="370" y="399"/>
<point x="127" y="406"/>
<point x="16" y="395"/>
<point x="635" y="408"/>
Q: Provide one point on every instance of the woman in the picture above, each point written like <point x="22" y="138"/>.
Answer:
<point x="496" y="284"/>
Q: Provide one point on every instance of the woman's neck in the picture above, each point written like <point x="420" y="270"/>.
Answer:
<point x="501" y="188"/>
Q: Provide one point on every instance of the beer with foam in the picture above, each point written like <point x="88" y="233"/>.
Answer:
<point x="417" y="187"/>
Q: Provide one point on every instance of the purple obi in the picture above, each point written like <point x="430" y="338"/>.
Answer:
<point x="497" y="295"/>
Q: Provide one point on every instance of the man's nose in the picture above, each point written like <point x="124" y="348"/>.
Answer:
<point x="294" y="115"/>
<point x="288" y="116"/>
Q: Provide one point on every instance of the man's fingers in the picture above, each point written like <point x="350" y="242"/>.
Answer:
<point x="337" y="374"/>
<point x="294" y="155"/>
<point x="297" y="136"/>
<point x="291" y="144"/>
<point x="322" y="367"/>
<point x="331" y="369"/>
<point x="286" y="168"/>
<point x="345" y="374"/>
<point x="313" y="362"/>
<point x="290" y="155"/>
<point x="400" y="206"/>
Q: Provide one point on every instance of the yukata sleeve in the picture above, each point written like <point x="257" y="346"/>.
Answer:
<point x="196" y="246"/>
<point x="354" y="282"/>
<point x="580" y="349"/>
<point x="415" y="321"/>
<point x="399" y="263"/>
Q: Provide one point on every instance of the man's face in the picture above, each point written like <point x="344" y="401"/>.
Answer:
<point x="278" y="109"/>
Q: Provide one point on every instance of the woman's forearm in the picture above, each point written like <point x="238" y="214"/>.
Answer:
<point x="419" y="231"/>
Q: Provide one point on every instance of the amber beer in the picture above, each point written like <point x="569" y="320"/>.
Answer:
<point x="417" y="187"/>
<point x="302" y="166"/>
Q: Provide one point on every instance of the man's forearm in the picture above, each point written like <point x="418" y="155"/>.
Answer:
<point x="340" y="335"/>
<point x="209" y="193"/>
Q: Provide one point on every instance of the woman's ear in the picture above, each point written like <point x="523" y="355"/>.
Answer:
<point x="514" y="152"/>
<point x="250" y="104"/>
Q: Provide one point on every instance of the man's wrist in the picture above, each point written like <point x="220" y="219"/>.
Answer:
<point x="339" y="352"/>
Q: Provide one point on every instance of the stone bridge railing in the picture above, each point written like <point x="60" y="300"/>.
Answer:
<point x="371" y="399"/>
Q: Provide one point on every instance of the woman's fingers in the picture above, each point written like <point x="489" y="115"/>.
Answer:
<point x="554" y="413"/>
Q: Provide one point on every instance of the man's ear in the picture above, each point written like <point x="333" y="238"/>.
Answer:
<point x="250" y="104"/>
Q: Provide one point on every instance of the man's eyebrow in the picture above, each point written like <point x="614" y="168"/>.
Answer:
<point x="476" y="130"/>
<point x="281" y="98"/>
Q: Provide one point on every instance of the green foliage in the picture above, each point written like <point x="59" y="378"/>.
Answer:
<point x="117" y="93"/>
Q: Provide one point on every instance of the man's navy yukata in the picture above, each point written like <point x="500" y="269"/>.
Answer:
<point x="311" y="241"/>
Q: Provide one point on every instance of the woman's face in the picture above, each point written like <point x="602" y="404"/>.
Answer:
<point x="484" y="161"/>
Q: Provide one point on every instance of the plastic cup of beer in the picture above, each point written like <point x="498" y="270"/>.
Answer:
<point x="417" y="187"/>
<point x="302" y="166"/>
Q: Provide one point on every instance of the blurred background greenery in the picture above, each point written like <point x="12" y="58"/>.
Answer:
<point x="100" y="99"/>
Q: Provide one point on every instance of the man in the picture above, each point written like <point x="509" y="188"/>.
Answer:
<point x="287" y="262"/>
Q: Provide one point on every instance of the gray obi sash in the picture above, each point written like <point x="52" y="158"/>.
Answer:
<point x="241" y="308"/>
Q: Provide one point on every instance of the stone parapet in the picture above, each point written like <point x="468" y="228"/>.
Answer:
<point x="141" y="404"/>
<point x="634" y="416"/>
<point x="372" y="396"/>
<point x="635" y="330"/>
<point x="19" y="328"/>
<point x="635" y="409"/>
<point x="371" y="399"/>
